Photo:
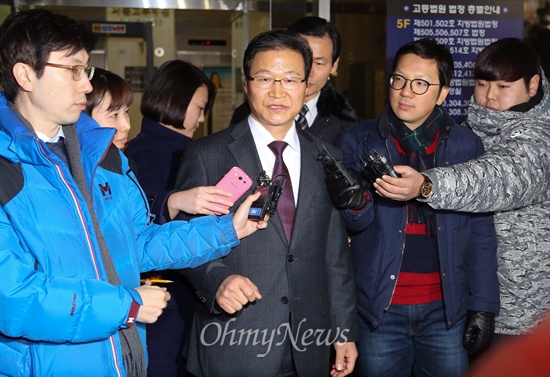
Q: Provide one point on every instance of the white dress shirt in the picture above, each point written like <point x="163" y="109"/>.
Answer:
<point x="47" y="139"/>
<point x="291" y="154"/>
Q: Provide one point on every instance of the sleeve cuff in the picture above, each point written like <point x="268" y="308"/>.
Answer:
<point x="132" y="315"/>
<point x="367" y="196"/>
<point x="160" y="207"/>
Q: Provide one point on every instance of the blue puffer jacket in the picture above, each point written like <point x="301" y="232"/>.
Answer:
<point x="466" y="242"/>
<point x="58" y="315"/>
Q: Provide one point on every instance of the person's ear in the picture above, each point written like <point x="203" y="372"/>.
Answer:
<point x="534" y="85"/>
<point x="24" y="75"/>
<point x="245" y="85"/>
<point x="335" y="66"/>
<point x="442" y="95"/>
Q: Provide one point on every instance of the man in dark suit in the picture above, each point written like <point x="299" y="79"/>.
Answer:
<point x="285" y="295"/>
<point x="328" y="111"/>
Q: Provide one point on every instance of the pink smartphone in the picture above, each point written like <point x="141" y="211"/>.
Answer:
<point x="236" y="181"/>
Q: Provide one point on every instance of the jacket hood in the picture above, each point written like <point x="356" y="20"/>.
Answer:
<point x="12" y="130"/>
<point x="487" y="122"/>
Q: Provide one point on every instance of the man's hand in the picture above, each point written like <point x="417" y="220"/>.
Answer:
<point x="243" y="226"/>
<point x="154" y="300"/>
<point x="402" y="189"/>
<point x="346" y="356"/>
<point x="235" y="292"/>
<point x="478" y="331"/>
<point x="202" y="200"/>
<point x="343" y="194"/>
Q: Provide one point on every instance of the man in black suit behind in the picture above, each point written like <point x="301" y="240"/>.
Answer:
<point x="328" y="111"/>
<point x="277" y="304"/>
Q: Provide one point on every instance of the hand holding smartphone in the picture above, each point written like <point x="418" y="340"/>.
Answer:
<point x="235" y="181"/>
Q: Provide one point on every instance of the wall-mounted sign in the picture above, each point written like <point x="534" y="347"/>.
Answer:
<point x="100" y="28"/>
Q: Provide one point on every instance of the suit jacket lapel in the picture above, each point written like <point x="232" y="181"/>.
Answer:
<point x="309" y="185"/>
<point x="244" y="151"/>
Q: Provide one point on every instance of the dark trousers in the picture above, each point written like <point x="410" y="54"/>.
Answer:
<point x="167" y="337"/>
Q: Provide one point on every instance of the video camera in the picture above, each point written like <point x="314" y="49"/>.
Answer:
<point x="270" y="193"/>
<point x="376" y="165"/>
<point x="332" y="166"/>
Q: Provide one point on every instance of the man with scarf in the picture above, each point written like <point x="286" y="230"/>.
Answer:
<point x="427" y="287"/>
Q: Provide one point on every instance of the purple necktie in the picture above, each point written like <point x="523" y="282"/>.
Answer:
<point x="285" y="208"/>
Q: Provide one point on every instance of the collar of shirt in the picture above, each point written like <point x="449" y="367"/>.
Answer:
<point x="53" y="139"/>
<point x="311" y="110"/>
<point x="291" y="154"/>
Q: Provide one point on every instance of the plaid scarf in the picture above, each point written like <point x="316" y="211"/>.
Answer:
<point x="414" y="144"/>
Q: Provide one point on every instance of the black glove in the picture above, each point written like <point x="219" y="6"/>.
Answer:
<point x="478" y="331"/>
<point x="345" y="188"/>
<point x="346" y="194"/>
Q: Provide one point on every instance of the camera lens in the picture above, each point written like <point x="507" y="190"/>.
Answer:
<point x="240" y="178"/>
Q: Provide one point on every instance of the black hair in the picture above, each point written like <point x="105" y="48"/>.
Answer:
<point x="508" y="59"/>
<point x="431" y="50"/>
<point x="105" y="82"/>
<point x="170" y="90"/>
<point x="30" y="36"/>
<point x="319" y="27"/>
<point x="277" y="40"/>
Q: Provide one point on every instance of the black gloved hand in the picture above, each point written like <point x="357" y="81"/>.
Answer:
<point x="346" y="194"/>
<point x="478" y="331"/>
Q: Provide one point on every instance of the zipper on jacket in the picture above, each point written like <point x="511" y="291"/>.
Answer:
<point x="150" y="215"/>
<point x="112" y="344"/>
<point x="77" y="205"/>
<point x="88" y="241"/>
<point x="404" y="237"/>
<point x="400" y="260"/>
<point x="388" y="150"/>
<point x="96" y="166"/>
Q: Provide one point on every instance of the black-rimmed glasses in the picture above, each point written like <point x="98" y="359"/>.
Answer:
<point x="418" y="86"/>
<point x="288" y="83"/>
<point x="76" y="70"/>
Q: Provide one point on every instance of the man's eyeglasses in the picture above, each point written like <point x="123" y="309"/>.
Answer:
<point x="418" y="86"/>
<point x="288" y="83"/>
<point x="77" y="70"/>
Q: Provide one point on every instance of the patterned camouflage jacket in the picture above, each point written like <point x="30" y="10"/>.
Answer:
<point x="512" y="178"/>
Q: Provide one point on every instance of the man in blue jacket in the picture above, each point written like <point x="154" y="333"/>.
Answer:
<point x="75" y="226"/>
<point x="427" y="287"/>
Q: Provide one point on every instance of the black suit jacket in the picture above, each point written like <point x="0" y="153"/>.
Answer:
<point x="309" y="280"/>
<point x="334" y="114"/>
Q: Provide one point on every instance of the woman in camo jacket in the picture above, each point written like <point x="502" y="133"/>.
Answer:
<point x="510" y="111"/>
